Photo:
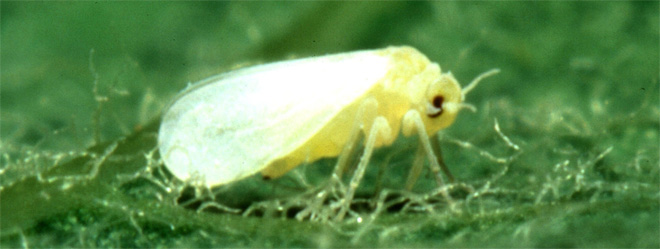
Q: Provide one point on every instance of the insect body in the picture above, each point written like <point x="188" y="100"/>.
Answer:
<point x="273" y="117"/>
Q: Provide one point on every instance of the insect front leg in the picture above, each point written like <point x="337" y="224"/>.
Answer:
<point x="413" y="120"/>
<point x="435" y="144"/>
<point x="416" y="169"/>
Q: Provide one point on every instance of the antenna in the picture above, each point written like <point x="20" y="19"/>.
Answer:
<point x="476" y="81"/>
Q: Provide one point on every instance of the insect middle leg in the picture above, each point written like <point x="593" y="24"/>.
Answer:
<point x="318" y="209"/>
<point x="380" y="128"/>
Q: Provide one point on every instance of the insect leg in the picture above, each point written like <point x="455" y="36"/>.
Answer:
<point x="416" y="169"/>
<point x="418" y="163"/>
<point x="350" y="152"/>
<point x="380" y="127"/>
<point x="355" y="142"/>
<point x="414" y="117"/>
<point x="350" y="155"/>
<point x="435" y="143"/>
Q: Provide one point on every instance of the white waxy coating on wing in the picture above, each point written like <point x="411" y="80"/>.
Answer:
<point x="233" y="125"/>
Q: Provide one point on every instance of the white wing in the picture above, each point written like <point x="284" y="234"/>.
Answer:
<point x="231" y="126"/>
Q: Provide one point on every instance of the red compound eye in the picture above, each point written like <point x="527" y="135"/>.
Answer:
<point x="437" y="103"/>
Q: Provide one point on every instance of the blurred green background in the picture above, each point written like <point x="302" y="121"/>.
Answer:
<point x="83" y="85"/>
